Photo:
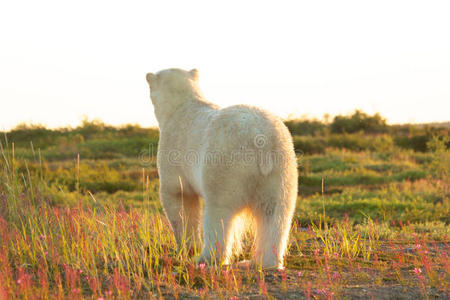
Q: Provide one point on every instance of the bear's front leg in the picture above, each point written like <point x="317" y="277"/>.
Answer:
<point x="184" y="213"/>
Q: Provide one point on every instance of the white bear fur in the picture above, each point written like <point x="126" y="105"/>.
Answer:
<point x="200" y="156"/>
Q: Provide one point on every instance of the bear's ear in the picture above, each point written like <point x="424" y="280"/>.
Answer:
<point x="151" y="78"/>
<point x="194" y="74"/>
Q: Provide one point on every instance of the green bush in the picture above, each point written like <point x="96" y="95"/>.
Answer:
<point x="309" y="145"/>
<point x="112" y="148"/>
<point x="305" y="127"/>
<point x="23" y="135"/>
<point x="357" y="122"/>
<point x="353" y="142"/>
<point x="416" y="143"/>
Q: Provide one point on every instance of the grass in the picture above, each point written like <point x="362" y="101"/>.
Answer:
<point x="94" y="228"/>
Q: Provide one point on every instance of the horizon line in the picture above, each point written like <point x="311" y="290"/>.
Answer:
<point x="85" y="118"/>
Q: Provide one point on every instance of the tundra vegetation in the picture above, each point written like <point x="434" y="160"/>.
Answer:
<point x="80" y="216"/>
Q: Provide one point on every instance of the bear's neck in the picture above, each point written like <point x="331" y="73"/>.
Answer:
<point x="181" y="106"/>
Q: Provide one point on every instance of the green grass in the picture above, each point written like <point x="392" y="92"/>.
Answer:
<point x="94" y="228"/>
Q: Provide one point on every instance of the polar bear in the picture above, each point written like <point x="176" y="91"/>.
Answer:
<point x="236" y="159"/>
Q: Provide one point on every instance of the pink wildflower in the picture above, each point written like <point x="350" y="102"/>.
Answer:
<point x="336" y="275"/>
<point x="321" y="292"/>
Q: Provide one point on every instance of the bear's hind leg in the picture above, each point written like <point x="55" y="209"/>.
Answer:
<point x="273" y="216"/>
<point x="217" y="232"/>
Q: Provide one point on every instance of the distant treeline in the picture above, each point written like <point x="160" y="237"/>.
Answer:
<point x="357" y="132"/>
<point x="360" y="131"/>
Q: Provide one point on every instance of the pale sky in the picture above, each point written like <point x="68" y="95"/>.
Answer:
<point x="61" y="60"/>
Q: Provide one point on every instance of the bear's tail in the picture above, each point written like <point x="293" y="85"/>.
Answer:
<point x="264" y="155"/>
<point x="266" y="164"/>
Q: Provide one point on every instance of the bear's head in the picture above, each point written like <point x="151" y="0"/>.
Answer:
<point x="172" y="82"/>
<point x="170" y="88"/>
